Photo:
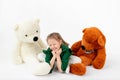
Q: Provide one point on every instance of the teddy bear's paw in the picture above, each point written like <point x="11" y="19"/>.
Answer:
<point x="18" y="60"/>
<point x="98" y="64"/>
<point x="41" y="57"/>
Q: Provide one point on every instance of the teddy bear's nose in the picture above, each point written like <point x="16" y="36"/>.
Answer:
<point x="35" y="38"/>
<point x="83" y="47"/>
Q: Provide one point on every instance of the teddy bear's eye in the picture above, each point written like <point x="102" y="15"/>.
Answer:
<point x="37" y="31"/>
<point x="26" y="35"/>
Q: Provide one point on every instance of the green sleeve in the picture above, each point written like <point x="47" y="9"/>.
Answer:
<point x="65" y="59"/>
<point x="47" y="57"/>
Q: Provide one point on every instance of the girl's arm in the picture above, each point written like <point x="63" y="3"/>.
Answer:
<point x="59" y="63"/>
<point x="52" y="61"/>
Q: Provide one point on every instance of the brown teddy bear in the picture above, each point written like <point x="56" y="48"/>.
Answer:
<point x="91" y="49"/>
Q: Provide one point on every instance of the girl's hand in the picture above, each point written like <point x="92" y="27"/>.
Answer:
<point x="59" y="52"/>
<point x="53" y="53"/>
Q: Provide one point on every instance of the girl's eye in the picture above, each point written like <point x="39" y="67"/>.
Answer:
<point x="26" y="35"/>
<point x="50" y="45"/>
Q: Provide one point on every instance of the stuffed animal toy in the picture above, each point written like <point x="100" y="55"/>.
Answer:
<point x="91" y="49"/>
<point x="28" y="46"/>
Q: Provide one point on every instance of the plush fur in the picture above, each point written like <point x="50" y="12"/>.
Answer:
<point x="29" y="44"/>
<point x="75" y="66"/>
<point x="91" y="49"/>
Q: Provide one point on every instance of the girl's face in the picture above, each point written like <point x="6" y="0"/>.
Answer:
<point x="54" y="44"/>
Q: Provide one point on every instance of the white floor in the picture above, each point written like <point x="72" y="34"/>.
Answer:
<point x="9" y="71"/>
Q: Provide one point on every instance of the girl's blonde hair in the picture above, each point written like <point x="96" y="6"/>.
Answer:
<point x="57" y="37"/>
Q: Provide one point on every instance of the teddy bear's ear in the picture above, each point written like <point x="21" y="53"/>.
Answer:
<point x="84" y="30"/>
<point x="16" y="27"/>
<point x="101" y="41"/>
<point x="37" y="21"/>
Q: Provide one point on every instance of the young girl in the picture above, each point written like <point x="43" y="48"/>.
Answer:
<point x="58" y="52"/>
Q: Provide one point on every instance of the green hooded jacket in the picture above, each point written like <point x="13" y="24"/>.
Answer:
<point x="66" y="53"/>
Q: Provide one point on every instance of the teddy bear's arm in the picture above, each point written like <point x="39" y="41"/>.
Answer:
<point x="16" y="55"/>
<point x="76" y="46"/>
<point x="99" y="61"/>
<point x="42" y="44"/>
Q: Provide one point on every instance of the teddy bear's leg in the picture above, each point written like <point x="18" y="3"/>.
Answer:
<point x="35" y="67"/>
<point x="76" y="67"/>
<point x="86" y="61"/>
<point x="73" y="59"/>
<point x="41" y="69"/>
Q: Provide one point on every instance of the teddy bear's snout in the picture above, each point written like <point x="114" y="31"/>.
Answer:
<point x="35" y="38"/>
<point x="83" y="47"/>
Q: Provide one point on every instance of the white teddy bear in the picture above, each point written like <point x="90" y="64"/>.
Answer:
<point x="29" y="45"/>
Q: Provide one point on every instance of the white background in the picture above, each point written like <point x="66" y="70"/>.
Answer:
<point x="69" y="18"/>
